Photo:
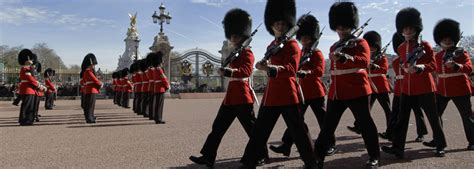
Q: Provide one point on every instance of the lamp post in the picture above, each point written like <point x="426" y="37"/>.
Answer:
<point x="163" y="17"/>
<point x="136" y="49"/>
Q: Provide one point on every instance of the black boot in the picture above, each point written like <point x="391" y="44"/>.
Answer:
<point x="430" y="144"/>
<point x="372" y="164"/>
<point x="394" y="151"/>
<point x="202" y="161"/>
<point x="354" y="129"/>
<point x="281" y="149"/>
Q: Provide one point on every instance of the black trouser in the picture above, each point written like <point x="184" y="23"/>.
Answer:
<point x="37" y="105"/>
<point x="463" y="103"/>
<point x="360" y="109"/>
<point x="225" y="116"/>
<point x="138" y="102"/>
<point x="125" y="99"/>
<point x="158" y="103"/>
<point x="82" y="101"/>
<point x="428" y="103"/>
<point x="266" y="120"/>
<point x="17" y="99"/>
<point x="27" y="109"/>
<point x="48" y="103"/>
<point x="145" y="103"/>
<point x="384" y="101"/>
<point x="120" y="98"/>
<point x="89" y="106"/>
<point x="419" y="118"/>
<point x="152" y="105"/>
<point x="115" y="97"/>
<point x="319" y="110"/>
<point x="134" y="102"/>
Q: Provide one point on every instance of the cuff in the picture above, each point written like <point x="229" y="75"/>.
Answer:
<point x="420" y="68"/>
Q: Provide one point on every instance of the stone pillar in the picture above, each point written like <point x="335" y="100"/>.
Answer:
<point x="162" y="44"/>
<point x="225" y="51"/>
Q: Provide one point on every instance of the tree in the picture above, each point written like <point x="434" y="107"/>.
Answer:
<point x="48" y="57"/>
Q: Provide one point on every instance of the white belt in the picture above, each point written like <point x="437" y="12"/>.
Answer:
<point x="448" y="75"/>
<point x="377" y="75"/>
<point x="399" y="77"/>
<point x="137" y="83"/>
<point x="151" y="80"/>
<point x="346" y="71"/>
<point x="157" y="81"/>
<point x="24" y="81"/>
<point x="144" y="82"/>
<point x="231" y="79"/>
<point x="86" y="83"/>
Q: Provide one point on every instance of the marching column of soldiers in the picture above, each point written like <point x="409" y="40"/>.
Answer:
<point x="358" y="68"/>
<point x="148" y="84"/>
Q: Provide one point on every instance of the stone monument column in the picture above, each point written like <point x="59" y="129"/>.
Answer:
<point x="132" y="42"/>
<point x="161" y="43"/>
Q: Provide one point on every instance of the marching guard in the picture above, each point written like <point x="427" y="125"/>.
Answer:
<point x="453" y="65"/>
<point x="281" y="94"/>
<point x="91" y="87"/>
<point x="49" y="102"/>
<point x="421" y="130"/>
<point x="349" y="88"/>
<point x="418" y="88"/>
<point x="126" y="88"/>
<point x="160" y="86"/>
<point x="239" y="99"/>
<point x="309" y="74"/>
<point x="28" y="87"/>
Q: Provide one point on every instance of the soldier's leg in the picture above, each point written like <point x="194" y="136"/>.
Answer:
<point x="335" y="109"/>
<point x="426" y="102"/>
<point x="298" y="130"/>
<point x="463" y="103"/>
<point x="360" y="108"/>
<point x="256" y="147"/>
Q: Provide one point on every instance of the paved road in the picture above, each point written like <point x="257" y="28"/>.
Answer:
<point x="122" y="139"/>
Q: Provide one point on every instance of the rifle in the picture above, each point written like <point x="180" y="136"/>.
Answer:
<point x="350" y="41"/>
<point x="417" y="53"/>
<point x="454" y="52"/>
<point x="381" y="53"/>
<point x="236" y="53"/>
<point x="306" y="57"/>
<point x="275" y="48"/>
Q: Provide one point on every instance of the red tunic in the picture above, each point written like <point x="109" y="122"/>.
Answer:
<point x="91" y="83"/>
<point x="346" y="86"/>
<point x="161" y="82"/>
<point x="458" y="84"/>
<point x="311" y="84"/>
<point x="145" y="82"/>
<point x="282" y="90"/>
<point x="28" y="82"/>
<point x="398" y="75"/>
<point x="238" y="91"/>
<point x="127" y="85"/>
<point x="151" y="79"/>
<point x="81" y="83"/>
<point x="114" y="85"/>
<point x="139" y="82"/>
<point x="379" y="77"/>
<point x="50" y="86"/>
<point x="418" y="83"/>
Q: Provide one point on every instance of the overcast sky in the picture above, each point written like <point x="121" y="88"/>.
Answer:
<point x="74" y="28"/>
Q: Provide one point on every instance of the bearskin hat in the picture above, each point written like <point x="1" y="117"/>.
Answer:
<point x="343" y="14"/>
<point x="114" y="75"/>
<point x="309" y="27"/>
<point x="397" y="40"/>
<point x="447" y="28"/>
<point x="280" y="10"/>
<point x="409" y="17"/>
<point x="237" y="22"/>
<point x="89" y="60"/>
<point x="373" y="39"/>
<point x="144" y="65"/>
<point x="125" y="72"/>
<point x="48" y="72"/>
<point x="132" y="67"/>
<point x="24" y="56"/>
<point x="38" y="67"/>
